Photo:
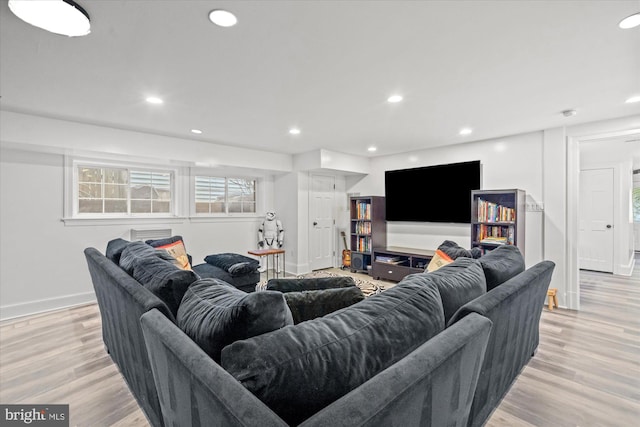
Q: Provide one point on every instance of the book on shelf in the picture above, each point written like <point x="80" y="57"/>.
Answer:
<point x="495" y="233"/>
<point x="363" y="210"/>
<point x="493" y="212"/>
<point x="362" y="227"/>
<point x="495" y="240"/>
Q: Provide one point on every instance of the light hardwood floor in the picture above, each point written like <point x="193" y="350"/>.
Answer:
<point x="586" y="371"/>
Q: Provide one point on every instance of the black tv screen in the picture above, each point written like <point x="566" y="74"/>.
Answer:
<point x="439" y="193"/>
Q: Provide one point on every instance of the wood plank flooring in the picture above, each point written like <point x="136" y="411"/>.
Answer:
<point x="586" y="371"/>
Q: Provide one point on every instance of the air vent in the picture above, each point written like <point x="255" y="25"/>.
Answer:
<point x="157" y="233"/>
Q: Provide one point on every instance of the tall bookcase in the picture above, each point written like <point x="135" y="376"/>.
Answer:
<point x="368" y="229"/>
<point x="497" y="218"/>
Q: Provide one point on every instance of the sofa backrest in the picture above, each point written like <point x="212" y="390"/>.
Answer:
<point x="122" y="300"/>
<point x="501" y="264"/>
<point x="515" y="308"/>
<point x="433" y="385"/>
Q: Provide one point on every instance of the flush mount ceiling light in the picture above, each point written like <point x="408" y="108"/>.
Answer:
<point x="394" y="98"/>
<point x="372" y="149"/>
<point x="64" y="17"/>
<point x="630" y="21"/>
<point x="633" y="99"/>
<point x="196" y="131"/>
<point x="569" y="113"/>
<point x="465" y="131"/>
<point x="294" y="131"/>
<point x="222" y="18"/>
<point x="154" y="100"/>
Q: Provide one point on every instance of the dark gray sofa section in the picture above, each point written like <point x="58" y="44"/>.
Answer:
<point x="433" y="385"/>
<point x="122" y="300"/>
<point x="514" y="307"/>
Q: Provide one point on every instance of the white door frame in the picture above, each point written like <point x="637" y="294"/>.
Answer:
<point x="573" y="180"/>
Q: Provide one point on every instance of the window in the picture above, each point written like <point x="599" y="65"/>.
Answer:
<point x="122" y="191"/>
<point x="220" y="195"/>
<point x="636" y="204"/>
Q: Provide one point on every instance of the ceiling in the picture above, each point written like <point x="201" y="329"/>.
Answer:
<point x="328" y="67"/>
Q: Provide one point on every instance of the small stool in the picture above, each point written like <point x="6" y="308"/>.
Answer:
<point x="553" y="298"/>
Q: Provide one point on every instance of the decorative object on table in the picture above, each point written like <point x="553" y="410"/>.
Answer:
<point x="270" y="235"/>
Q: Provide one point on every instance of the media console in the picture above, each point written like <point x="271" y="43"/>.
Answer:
<point x="393" y="263"/>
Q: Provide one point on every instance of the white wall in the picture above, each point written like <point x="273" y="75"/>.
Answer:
<point x="506" y="163"/>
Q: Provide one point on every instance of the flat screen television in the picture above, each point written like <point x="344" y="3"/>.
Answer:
<point x="440" y="193"/>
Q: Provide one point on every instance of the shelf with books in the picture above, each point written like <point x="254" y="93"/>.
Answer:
<point x="367" y="229"/>
<point x="497" y="218"/>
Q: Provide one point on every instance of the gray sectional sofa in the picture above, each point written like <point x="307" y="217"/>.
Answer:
<point x="437" y="349"/>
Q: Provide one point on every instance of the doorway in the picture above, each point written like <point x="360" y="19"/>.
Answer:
<point x="321" y="222"/>
<point x="595" y="220"/>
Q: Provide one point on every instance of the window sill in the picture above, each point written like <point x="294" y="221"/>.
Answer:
<point x="120" y="221"/>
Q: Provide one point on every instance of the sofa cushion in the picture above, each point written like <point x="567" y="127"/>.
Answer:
<point x="227" y="260"/>
<point x="298" y="370"/>
<point x="214" y="314"/>
<point x="501" y="264"/>
<point x="242" y="268"/>
<point x="458" y="283"/>
<point x="246" y="281"/>
<point x="309" y="284"/>
<point x="307" y="305"/>
<point x="454" y="251"/>
<point x="156" y="271"/>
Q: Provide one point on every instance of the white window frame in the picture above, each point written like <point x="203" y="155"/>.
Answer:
<point x="226" y="176"/>
<point x="71" y="214"/>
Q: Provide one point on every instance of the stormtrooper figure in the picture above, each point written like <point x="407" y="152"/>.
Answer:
<point x="270" y="234"/>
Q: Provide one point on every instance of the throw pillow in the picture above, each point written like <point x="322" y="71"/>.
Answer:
<point x="453" y="250"/>
<point x="440" y="259"/>
<point x="242" y="268"/>
<point x="175" y="247"/>
<point x="156" y="272"/>
<point x="458" y="283"/>
<point x="298" y="370"/>
<point x="226" y="260"/>
<point x="215" y="314"/>
<point x="308" y="305"/>
<point x="501" y="264"/>
<point x="115" y="248"/>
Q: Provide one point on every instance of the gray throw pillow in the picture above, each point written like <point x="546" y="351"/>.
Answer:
<point x="115" y="248"/>
<point x="156" y="271"/>
<point x="307" y="305"/>
<point x="298" y="370"/>
<point x="215" y="314"/>
<point x="454" y="251"/>
<point x="227" y="260"/>
<point x="242" y="268"/>
<point x="501" y="264"/>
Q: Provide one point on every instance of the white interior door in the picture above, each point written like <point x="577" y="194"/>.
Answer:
<point x="321" y="235"/>
<point x="595" y="217"/>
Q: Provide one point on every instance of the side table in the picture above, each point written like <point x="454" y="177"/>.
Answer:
<point x="275" y="257"/>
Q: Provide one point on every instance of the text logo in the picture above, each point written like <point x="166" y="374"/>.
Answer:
<point x="34" y="415"/>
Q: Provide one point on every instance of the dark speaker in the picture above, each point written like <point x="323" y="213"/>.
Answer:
<point x="357" y="262"/>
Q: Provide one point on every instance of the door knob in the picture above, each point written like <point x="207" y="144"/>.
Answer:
<point x="315" y="223"/>
<point x="609" y="225"/>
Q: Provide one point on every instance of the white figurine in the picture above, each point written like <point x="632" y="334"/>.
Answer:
<point x="270" y="234"/>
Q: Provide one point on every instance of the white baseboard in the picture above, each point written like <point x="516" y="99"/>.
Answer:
<point x="627" y="270"/>
<point x="35" y="307"/>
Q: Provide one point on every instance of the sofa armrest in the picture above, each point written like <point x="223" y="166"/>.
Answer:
<point x="307" y="305"/>
<point x="309" y="284"/>
<point x="187" y="378"/>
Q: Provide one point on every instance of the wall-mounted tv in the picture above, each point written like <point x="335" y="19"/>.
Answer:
<point x="440" y="193"/>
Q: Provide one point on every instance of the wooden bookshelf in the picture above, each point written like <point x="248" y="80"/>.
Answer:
<point x="368" y="229"/>
<point x="497" y="218"/>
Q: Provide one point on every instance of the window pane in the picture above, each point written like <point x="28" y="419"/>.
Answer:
<point x="161" y="207"/>
<point x="217" y="207"/>
<point x="141" y="192"/>
<point x="140" y="206"/>
<point x="248" y="207"/>
<point x="89" y="174"/>
<point x="636" y="204"/>
<point x="115" y="176"/>
<point x="235" y="207"/>
<point x="115" y="191"/>
<point x="115" y="206"/>
<point x="202" y="207"/>
<point x="89" y="191"/>
<point x="90" y="206"/>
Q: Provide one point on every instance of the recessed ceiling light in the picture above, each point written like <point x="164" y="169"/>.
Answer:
<point x="394" y="98"/>
<point x="222" y="18"/>
<point x="294" y="131"/>
<point x="64" y="17"/>
<point x="569" y="113"/>
<point x="630" y="21"/>
<point x="154" y="100"/>
<point x="465" y="131"/>
<point x="372" y="149"/>
<point x="196" y="131"/>
<point x="635" y="98"/>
